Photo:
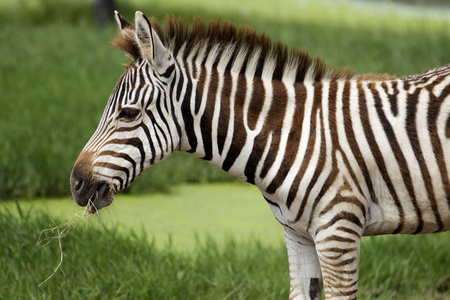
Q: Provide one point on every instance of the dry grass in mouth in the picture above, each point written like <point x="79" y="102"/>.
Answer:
<point x="57" y="232"/>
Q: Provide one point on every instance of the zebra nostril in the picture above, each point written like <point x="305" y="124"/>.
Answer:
<point x="81" y="177"/>
<point x="78" y="185"/>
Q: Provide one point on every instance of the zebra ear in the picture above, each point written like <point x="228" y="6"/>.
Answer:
<point x="121" y="21"/>
<point x="150" y="44"/>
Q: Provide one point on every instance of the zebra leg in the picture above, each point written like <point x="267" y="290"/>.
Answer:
<point x="304" y="267"/>
<point x="337" y="246"/>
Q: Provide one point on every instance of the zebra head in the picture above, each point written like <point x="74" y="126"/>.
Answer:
<point x="137" y="128"/>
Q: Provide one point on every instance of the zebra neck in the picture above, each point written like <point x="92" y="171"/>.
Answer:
<point x="239" y="123"/>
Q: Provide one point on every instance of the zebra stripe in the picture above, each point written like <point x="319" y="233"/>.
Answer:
<point x="335" y="156"/>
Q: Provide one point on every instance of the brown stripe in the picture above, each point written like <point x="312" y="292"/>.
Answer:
<point x="317" y="104"/>
<point x="239" y="133"/>
<point x="356" y="151"/>
<point x="340" y="199"/>
<point x="115" y="167"/>
<point x="206" y="120"/>
<point x="376" y="153"/>
<point x="397" y="150"/>
<point x="411" y="111"/>
<point x="200" y="87"/>
<point x="433" y="111"/>
<point x="224" y="114"/>
<point x="274" y="124"/>
<point x="342" y="216"/>
<point x="187" y="114"/>
<point x="306" y="160"/>
<point x="257" y="99"/>
<point x="124" y="156"/>
<point x="335" y="238"/>
<point x="296" y="131"/>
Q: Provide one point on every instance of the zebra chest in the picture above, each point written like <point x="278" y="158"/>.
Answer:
<point x="320" y="200"/>
<point x="285" y="216"/>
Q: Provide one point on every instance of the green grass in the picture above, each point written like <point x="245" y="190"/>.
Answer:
<point x="104" y="263"/>
<point x="110" y="261"/>
<point x="189" y="213"/>
<point x="57" y="70"/>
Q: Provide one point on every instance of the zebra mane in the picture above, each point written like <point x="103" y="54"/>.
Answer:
<point x="187" y="36"/>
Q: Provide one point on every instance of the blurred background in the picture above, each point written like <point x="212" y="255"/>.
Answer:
<point x="57" y="70"/>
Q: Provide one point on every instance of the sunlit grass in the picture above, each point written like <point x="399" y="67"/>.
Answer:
<point x="107" y="261"/>
<point x="216" y="210"/>
<point x="102" y="262"/>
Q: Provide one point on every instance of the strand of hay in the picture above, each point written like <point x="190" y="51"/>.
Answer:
<point x="61" y="231"/>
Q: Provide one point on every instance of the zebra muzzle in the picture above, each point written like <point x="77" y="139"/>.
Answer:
<point x="94" y="195"/>
<point x="87" y="191"/>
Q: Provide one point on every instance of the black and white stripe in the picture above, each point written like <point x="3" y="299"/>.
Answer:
<point x="336" y="156"/>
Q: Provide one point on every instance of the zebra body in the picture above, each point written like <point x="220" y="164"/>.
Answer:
<point x="335" y="156"/>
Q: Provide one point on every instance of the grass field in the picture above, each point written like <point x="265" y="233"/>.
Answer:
<point x="128" y="254"/>
<point x="216" y="210"/>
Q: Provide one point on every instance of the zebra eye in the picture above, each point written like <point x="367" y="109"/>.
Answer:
<point x="127" y="114"/>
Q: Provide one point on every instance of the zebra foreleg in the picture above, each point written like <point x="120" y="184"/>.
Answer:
<point x="304" y="267"/>
<point x="338" y="252"/>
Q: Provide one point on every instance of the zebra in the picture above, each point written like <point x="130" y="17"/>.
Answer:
<point x="336" y="156"/>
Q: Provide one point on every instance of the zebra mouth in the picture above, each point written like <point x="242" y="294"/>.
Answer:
<point x="94" y="193"/>
<point x="102" y="197"/>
